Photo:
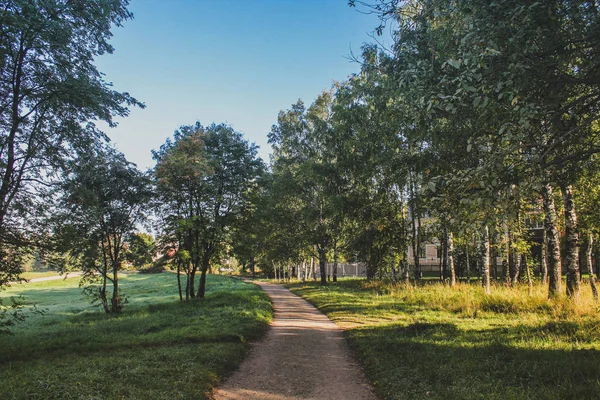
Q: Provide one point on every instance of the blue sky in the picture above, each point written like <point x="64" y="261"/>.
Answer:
<point x="233" y="61"/>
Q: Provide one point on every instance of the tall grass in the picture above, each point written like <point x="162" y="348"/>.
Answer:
<point x="433" y="341"/>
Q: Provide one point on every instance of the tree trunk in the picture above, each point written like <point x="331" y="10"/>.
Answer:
<point x="441" y="261"/>
<point x="505" y="268"/>
<point x="104" y="271"/>
<point x="393" y="268"/>
<point x="313" y="266"/>
<point x="204" y="269"/>
<point x="571" y="243"/>
<point x="552" y="245"/>
<point x="451" y="269"/>
<point x="303" y="272"/>
<point x="188" y="283"/>
<point x="371" y="265"/>
<point x="202" y="284"/>
<point x="586" y="262"/>
<point x="513" y="264"/>
<point x="506" y="258"/>
<point x="322" y="266"/>
<point x="335" y="260"/>
<point x="252" y="267"/>
<point x="525" y="265"/>
<point x="415" y="244"/>
<point x="193" y="280"/>
<point x="493" y="257"/>
<point x="405" y="266"/>
<point x="179" y="281"/>
<point x="419" y="270"/>
<point x="444" y="272"/>
<point x="544" y="260"/>
<point x="468" y="266"/>
<point x="292" y="271"/>
<point x="485" y="259"/>
<point x="103" y="297"/>
<point x="283" y="271"/>
<point x="116" y="299"/>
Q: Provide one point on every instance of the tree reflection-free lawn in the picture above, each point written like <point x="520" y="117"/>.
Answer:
<point x="442" y="343"/>
<point x="157" y="348"/>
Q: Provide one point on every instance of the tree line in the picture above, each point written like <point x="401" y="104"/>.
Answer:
<point x="480" y="116"/>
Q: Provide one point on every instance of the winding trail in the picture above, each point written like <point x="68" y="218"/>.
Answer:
<point x="303" y="356"/>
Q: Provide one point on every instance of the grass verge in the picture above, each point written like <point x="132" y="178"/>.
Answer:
<point x="156" y="349"/>
<point x="434" y="342"/>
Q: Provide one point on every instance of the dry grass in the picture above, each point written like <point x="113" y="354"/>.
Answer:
<point x="433" y="341"/>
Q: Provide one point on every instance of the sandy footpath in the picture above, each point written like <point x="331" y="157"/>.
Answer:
<point x="303" y="356"/>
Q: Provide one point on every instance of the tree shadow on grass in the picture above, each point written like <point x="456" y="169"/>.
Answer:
<point x="440" y="360"/>
<point x="220" y="318"/>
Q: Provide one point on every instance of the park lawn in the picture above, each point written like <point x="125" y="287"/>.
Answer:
<point x="157" y="348"/>
<point x="434" y="342"/>
<point x="38" y="274"/>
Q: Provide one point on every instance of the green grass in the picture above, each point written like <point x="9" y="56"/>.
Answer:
<point x="38" y="274"/>
<point x="434" y="342"/>
<point x="156" y="349"/>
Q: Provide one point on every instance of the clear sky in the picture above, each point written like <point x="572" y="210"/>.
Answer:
<point x="233" y="61"/>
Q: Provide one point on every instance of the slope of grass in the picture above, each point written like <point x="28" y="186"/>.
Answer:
<point x="439" y="343"/>
<point x="156" y="349"/>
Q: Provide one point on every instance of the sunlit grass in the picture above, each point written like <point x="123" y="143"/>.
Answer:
<point x="156" y="349"/>
<point x="38" y="274"/>
<point x="443" y="343"/>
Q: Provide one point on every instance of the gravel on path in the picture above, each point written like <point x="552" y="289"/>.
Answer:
<point x="303" y="356"/>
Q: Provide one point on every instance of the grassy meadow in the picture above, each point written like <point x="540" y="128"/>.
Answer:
<point x="156" y="349"/>
<point x="38" y="274"/>
<point x="434" y="342"/>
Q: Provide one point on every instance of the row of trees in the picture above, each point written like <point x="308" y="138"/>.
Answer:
<point x="482" y="115"/>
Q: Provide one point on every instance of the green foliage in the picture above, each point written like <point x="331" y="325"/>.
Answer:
<point x="141" y="248"/>
<point x="10" y="314"/>
<point x="165" y="349"/>
<point x="432" y="342"/>
<point x="471" y="117"/>
<point x="52" y="95"/>
<point x="204" y="177"/>
<point x="103" y="198"/>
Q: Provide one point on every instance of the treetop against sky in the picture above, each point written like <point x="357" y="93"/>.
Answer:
<point x="233" y="60"/>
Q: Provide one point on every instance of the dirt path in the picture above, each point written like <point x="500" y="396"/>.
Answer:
<point x="303" y="356"/>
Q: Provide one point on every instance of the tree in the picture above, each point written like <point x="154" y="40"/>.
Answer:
<point x="180" y="171"/>
<point x="140" y="249"/>
<point x="251" y="234"/>
<point x="204" y="178"/>
<point x="300" y="160"/>
<point x="51" y="94"/>
<point x="104" y="197"/>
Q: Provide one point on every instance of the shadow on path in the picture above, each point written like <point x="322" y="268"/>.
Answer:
<point x="303" y="356"/>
